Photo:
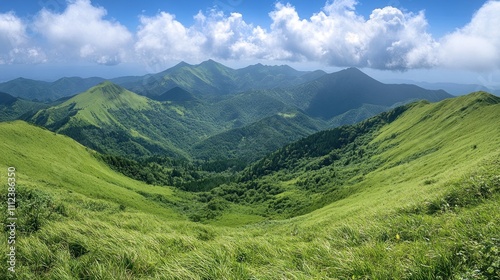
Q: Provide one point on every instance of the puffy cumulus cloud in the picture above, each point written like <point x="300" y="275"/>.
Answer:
<point x="389" y="39"/>
<point x="82" y="32"/>
<point x="12" y="31"/>
<point x="477" y="45"/>
<point x="226" y="37"/>
<point x="14" y="42"/>
<point x="336" y="35"/>
<point x="162" y="38"/>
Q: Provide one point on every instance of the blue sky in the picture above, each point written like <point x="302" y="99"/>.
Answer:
<point x="441" y="17"/>
<point x="423" y="40"/>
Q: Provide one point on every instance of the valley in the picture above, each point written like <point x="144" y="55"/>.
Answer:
<point x="264" y="172"/>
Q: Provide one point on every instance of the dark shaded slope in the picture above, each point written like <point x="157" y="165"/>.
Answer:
<point x="176" y="94"/>
<point x="339" y="92"/>
<point x="12" y="108"/>
<point x="254" y="141"/>
<point x="6" y="99"/>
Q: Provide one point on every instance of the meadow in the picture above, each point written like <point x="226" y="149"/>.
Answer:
<point x="423" y="204"/>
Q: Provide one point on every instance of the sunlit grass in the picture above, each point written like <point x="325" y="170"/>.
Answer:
<point x="423" y="214"/>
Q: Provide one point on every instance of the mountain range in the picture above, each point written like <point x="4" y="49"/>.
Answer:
<point x="211" y="112"/>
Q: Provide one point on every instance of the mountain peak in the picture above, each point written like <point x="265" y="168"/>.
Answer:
<point x="181" y="64"/>
<point x="212" y="63"/>
<point x="341" y="91"/>
<point x="106" y="89"/>
<point x="353" y="71"/>
<point x="350" y="76"/>
<point x="482" y="97"/>
<point x="107" y="84"/>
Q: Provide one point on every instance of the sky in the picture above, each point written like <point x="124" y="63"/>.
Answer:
<point x="421" y="40"/>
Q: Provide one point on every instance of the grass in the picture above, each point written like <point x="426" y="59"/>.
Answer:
<point x="423" y="213"/>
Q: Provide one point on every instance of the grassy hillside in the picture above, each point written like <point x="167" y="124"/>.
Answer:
<point x="419" y="202"/>
<point x="113" y="120"/>
<point x="49" y="161"/>
<point x="431" y="140"/>
<point x="252" y="142"/>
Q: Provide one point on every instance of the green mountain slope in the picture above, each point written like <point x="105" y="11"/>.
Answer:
<point x="429" y="139"/>
<point x="113" y="120"/>
<point x="250" y="143"/>
<point x="55" y="162"/>
<point x="421" y="202"/>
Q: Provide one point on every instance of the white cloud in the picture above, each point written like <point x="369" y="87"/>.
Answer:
<point x="12" y="31"/>
<point x="389" y="39"/>
<point x="82" y="32"/>
<point x="162" y="38"/>
<point x="14" y="42"/>
<point x="336" y="35"/>
<point x="477" y="45"/>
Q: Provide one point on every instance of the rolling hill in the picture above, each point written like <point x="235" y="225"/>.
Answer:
<point x="113" y="120"/>
<point x="412" y="193"/>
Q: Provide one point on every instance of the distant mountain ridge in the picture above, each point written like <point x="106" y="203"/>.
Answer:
<point x="185" y="111"/>
<point x="213" y="78"/>
<point x="206" y="78"/>
<point x="48" y="91"/>
<point x="348" y="89"/>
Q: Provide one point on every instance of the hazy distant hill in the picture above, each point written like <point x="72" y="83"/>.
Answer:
<point x="48" y="91"/>
<point x="339" y="92"/>
<point x="213" y="78"/>
<point x="455" y="88"/>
